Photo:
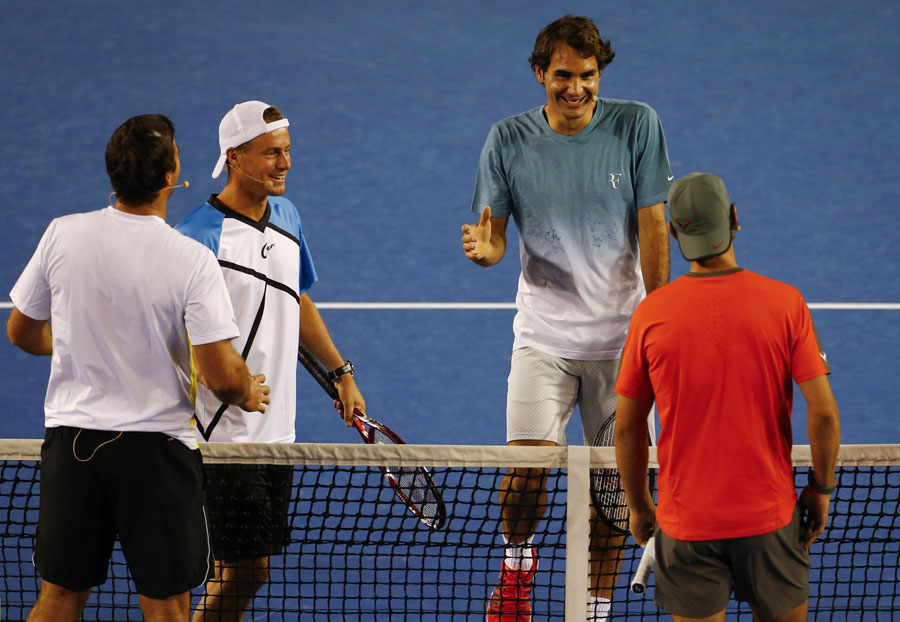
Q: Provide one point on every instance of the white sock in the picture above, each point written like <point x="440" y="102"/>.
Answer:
<point x="519" y="556"/>
<point x="598" y="609"/>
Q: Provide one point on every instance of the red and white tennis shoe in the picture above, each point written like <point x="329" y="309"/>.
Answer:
<point x="511" y="599"/>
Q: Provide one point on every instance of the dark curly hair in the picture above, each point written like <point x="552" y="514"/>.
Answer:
<point x="138" y="156"/>
<point x="579" y="33"/>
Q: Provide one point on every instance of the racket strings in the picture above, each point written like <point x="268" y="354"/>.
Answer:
<point x="610" y="495"/>
<point x="413" y="485"/>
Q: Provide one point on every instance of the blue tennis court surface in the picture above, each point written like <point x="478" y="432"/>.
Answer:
<point x="794" y="104"/>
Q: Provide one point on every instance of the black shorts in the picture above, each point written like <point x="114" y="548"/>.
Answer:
<point x="144" y="486"/>
<point x="770" y="571"/>
<point x="248" y="509"/>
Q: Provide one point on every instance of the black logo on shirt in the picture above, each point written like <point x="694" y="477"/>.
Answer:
<point x="265" y="250"/>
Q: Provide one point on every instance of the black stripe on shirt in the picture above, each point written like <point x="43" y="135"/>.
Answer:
<point x="261" y="225"/>
<point x="262" y="277"/>
<point x="284" y="233"/>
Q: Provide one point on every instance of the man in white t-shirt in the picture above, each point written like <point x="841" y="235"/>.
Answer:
<point x="585" y="179"/>
<point x="120" y="458"/>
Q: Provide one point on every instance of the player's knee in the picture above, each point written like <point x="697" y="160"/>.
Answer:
<point x="59" y="594"/>
<point x="58" y="603"/>
<point x="259" y="577"/>
<point x="525" y="480"/>
<point x="244" y="579"/>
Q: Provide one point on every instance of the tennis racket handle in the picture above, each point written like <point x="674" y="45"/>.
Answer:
<point x="315" y="370"/>
<point x="639" y="582"/>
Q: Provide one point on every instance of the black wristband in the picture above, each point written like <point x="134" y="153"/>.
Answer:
<point x="346" y="368"/>
<point x="811" y="480"/>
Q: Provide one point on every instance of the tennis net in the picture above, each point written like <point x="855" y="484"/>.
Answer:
<point x="356" y="553"/>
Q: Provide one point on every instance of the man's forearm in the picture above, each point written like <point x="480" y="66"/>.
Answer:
<point x="236" y="395"/>
<point x="314" y="335"/>
<point x="632" y="453"/>
<point x="823" y="426"/>
<point x="824" y="443"/>
<point x="32" y="336"/>
<point x="632" y="460"/>
<point x="653" y="241"/>
<point x="234" y="384"/>
<point x="655" y="268"/>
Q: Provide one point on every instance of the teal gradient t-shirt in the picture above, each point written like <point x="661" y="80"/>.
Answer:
<point x="574" y="200"/>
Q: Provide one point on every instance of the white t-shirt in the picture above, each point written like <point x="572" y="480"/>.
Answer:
<point x="267" y="267"/>
<point x="123" y="293"/>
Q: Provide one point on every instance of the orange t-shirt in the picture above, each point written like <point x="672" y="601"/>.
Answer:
<point x="718" y="353"/>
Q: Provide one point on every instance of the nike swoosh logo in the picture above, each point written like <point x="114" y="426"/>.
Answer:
<point x="671" y="177"/>
<point x="716" y="246"/>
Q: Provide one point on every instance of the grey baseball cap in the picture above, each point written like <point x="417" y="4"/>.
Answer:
<point x="701" y="214"/>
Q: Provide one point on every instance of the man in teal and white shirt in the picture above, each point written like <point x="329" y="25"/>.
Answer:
<point x="585" y="179"/>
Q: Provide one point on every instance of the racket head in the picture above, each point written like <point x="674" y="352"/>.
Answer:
<point x="413" y="485"/>
<point x="374" y="432"/>
<point x="607" y="492"/>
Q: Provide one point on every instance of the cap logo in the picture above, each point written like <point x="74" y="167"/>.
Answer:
<point x="683" y="225"/>
<point x="716" y="246"/>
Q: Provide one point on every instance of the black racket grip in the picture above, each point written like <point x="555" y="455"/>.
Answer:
<point x="315" y="370"/>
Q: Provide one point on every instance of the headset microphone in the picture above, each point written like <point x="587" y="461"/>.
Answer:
<point x="267" y="182"/>
<point x="183" y="184"/>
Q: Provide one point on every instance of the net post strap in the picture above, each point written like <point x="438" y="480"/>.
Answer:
<point x="578" y="532"/>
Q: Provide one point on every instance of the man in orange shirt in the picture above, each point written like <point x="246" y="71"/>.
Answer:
<point x="717" y="349"/>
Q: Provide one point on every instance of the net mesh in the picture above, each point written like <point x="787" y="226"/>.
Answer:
<point x="356" y="553"/>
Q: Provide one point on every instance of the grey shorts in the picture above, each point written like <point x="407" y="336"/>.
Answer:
<point x="544" y="390"/>
<point x="768" y="571"/>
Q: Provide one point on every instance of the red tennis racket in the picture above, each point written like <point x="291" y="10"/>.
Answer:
<point x="413" y="485"/>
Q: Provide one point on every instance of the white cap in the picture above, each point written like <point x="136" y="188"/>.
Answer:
<point x="242" y="124"/>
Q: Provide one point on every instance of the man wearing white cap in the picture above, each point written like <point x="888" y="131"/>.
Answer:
<point x="257" y="236"/>
<point x="718" y="349"/>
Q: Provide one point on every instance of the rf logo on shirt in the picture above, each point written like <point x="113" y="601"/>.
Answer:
<point x="614" y="179"/>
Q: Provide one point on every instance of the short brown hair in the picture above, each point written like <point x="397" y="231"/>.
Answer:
<point x="272" y="113"/>
<point x="579" y="33"/>
<point x="138" y="156"/>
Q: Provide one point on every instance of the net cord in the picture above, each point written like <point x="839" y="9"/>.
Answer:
<point x="442" y="455"/>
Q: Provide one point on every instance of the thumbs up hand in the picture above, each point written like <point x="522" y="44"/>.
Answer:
<point x="476" y="238"/>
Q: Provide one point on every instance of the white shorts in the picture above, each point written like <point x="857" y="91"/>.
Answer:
<point x="543" y="391"/>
